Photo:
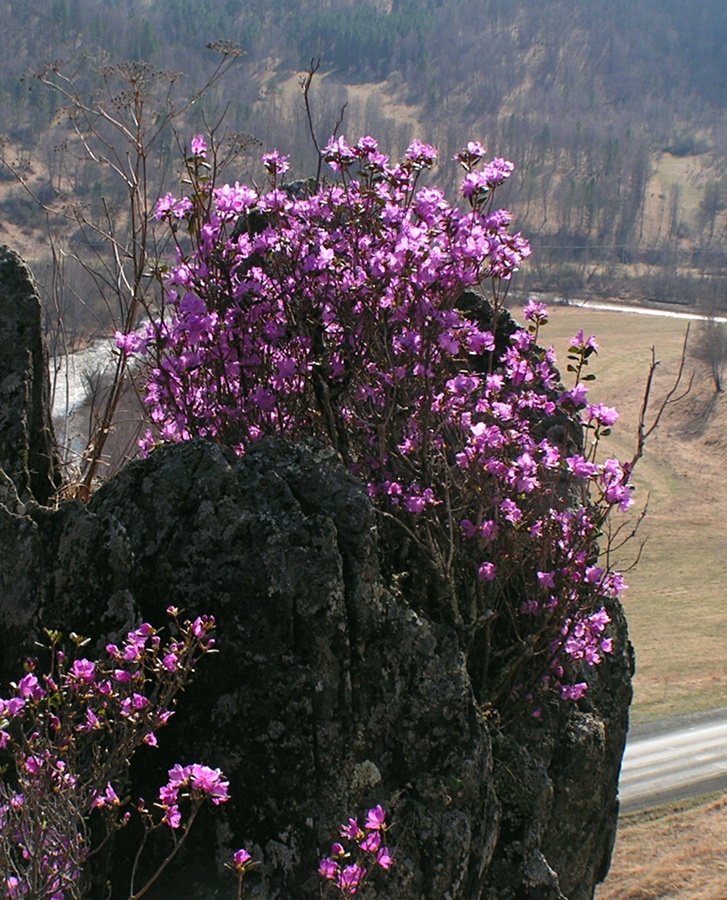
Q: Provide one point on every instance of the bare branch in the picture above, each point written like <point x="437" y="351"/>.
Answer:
<point x="645" y="431"/>
<point x="305" y="82"/>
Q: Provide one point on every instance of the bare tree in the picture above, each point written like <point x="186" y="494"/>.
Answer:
<point x="133" y="108"/>
<point x="710" y="348"/>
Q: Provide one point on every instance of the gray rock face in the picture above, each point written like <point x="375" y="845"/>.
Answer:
<point x="327" y="695"/>
<point x="27" y="446"/>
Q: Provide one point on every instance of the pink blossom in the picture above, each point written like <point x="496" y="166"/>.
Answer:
<point x="29" y="688"/>
<point x="371" y="843"/>
<point x="536" y="312"/>
<point x="328" y="869"/>
<point x="276" y="163"/>
<point x="350" y="878"/>
<point x="375" y="819"/>
<point x="546" y="579"/>
<point x="350" y="830"/>
<point x="487" y="572"/>
<point x="579" y="342"/>
<point x="198" y="147"/>
<point x="83" y="670"/>
<point x="240" y="858"/>
<point x="172" y="817"/>
<point x="573" y="691"/>
<point x="606" y="415"/>
<point x="208" y="781"/>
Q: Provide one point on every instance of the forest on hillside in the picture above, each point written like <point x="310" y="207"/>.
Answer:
<point x="615" y="116"/>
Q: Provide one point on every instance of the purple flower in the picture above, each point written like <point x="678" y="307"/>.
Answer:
<point x="606" y="415"/>
<point x="421" y="155"/>
<point x="546" y="579"/>
<point x="172" y="817"/>
<point x="208" y="781"/>
<point x="376" y="819"/>
<point x="350" y="830"/>
<point x="127" y="343"/>
<point x="169" y="206"/>
<point x="83" y="670"/>
<point x="468" y="529"/>
<point x="472" y="184"/>
<point x="338" y="154"/>
<point x="575" y="396"/>
<point x="240" y="860"/>
<point x="536" y="312"/>
<point x="29" y="688"/>
<point x="472" y="153"/>
<point x="328" y="868"/>
<point x="573" y="691"/>
<point x="371" y="843"/>
<point x="511" y="511"/>
<point x="487" y="572"/>
<point x="198" y="147"/>
<point x="108" y="798"/>
<point x="580" y="343"/>
<point x="594" y="574"/>
<point x="580" y="467"/>
<point x="498" y="171"/>
<point x="276" y="163"/>
<point x="350" y="878"/>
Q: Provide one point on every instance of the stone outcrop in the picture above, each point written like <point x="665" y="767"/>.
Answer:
<point x="328" y="694"/>
<point x="27" y="447"/>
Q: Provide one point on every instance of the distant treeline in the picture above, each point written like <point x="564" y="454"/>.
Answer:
<point x="585" y="97"/>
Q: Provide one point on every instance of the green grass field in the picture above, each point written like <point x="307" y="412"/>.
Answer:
<point x="677" y="598"/>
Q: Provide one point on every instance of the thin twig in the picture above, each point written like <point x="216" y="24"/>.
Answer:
<point x="644" y="431"/>
<point x="305" y="83"/>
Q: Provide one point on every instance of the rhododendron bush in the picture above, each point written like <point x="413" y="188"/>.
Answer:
<point x="67" y="733"/>
<point x="337" y="310"/>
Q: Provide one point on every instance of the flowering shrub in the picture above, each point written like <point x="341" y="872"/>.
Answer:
<point x="348" y="867"/>
<point x="68" y="735"/>
<point x="339" y="314"/>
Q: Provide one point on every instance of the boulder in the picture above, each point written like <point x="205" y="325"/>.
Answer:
<point x="328" y="694"/>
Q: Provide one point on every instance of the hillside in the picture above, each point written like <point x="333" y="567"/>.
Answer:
<point x="617" y="134"/>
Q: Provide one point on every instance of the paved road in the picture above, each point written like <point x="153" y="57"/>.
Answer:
<point x="674" y="759"/>
<point x="641" y="310"/>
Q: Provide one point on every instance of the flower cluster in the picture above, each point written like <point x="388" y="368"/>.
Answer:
<point x="339" y="314"/>
<point x="68" y="735"/>
<point x="347" y="868"/>
<point x="198" y="782"/>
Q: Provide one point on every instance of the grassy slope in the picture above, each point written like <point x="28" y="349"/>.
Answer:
<point x="676" y="603"/>
<point x="677" y="853"/>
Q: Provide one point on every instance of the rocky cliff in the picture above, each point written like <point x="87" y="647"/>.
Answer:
<point x="329" y="694"/>
<point x="27" y="451"/>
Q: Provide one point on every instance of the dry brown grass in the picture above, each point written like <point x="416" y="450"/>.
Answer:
<point x="676" y="604"/>
<point x="670" y="854"/>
